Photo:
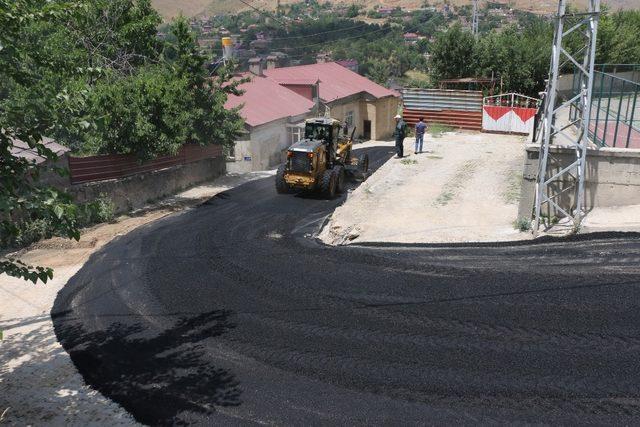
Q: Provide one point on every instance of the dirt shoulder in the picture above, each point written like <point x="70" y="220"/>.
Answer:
<point x="464" y="188"/>
<point x="38" y="382"/>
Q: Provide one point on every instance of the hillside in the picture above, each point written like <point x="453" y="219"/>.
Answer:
<point x="170" y="8"/>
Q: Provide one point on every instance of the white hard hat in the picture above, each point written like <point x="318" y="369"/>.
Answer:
<point x="398" y="116"/>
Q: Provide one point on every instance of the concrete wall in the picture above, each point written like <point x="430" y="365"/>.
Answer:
<point x="386" y="109"/>
<point x="135" y="191"/>
<point x="379" y="111"/>
<point x="48" y="176"/>
<point x="612" y="178"/>
<point x="339" y="111"/>
<point x="264" y="149"/>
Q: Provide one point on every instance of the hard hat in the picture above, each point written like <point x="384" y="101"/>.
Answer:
<point x="398" y="116"/>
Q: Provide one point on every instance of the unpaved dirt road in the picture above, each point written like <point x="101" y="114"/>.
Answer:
<point x="230" y="314"/>
<point x="464" y="188"/>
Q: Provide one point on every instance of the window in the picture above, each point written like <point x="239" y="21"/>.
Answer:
<point x="295" y="133"/>
<point x="349" y="118"/>
<point x="319" y="132"/>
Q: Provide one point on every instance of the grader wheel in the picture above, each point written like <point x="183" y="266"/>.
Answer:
<point x="328" y="184"/>
<point x="281" y="185"/>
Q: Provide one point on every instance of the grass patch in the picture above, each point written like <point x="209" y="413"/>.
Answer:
<point x="511" y="194"/>
<point x="408" y="161"/>
<point x="522" y="224"/>
<point x="417" y="75"/>
<point x="457" y="181"/>
<point x="435" y="157"/>
<point x="445" y="197"/>
<point x="415" y="78"/>
<point x="438" y="129"/>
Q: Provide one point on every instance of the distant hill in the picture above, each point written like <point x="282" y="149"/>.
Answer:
<point x="171" y="8"/>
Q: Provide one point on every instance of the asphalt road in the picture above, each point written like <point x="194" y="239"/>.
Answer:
<point x="232" y="314"/>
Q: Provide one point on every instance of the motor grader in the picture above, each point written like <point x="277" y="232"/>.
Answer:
<point x="321" y="160"/>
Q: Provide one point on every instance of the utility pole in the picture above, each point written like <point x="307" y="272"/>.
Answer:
<point x="551" y="183"/>
<point x="474" y="20"/>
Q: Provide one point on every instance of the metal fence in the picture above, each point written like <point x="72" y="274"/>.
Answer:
<point x="626" y="71"/>
<point x="441" y="99"/>
<point x="457" y="108"/>
<point x="615" y="109"/>
<point x="98" y="168"/>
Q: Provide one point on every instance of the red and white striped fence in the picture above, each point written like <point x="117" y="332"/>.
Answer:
<point x="509" y="113"/>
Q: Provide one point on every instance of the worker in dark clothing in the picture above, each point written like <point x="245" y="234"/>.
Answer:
<point x="421" y="127"/>
<point x="399" y="133"/>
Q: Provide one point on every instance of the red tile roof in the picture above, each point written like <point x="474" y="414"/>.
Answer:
<point x="336" y="81"/>
<point x="265" y="101"/>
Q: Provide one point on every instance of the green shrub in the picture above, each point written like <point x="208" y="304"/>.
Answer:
<point x="100" y="210"/>
<point x="33" y="231"/>
<point x="522" y="224"/>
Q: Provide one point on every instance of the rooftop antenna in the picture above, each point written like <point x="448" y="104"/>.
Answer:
<point x="551" y="183"/>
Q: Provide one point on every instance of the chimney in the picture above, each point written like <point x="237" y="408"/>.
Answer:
<point x="272" y="62"/>
<point x="321" y="58"/>
<point x="255" y="66"/>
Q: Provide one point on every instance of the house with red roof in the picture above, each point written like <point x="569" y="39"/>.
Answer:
<point x="347" y="95"/>
<point x="278" y="100"/>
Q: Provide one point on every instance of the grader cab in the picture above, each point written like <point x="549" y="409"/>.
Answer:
<point x="321" y="161"/>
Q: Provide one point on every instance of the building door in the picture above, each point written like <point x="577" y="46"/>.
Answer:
<point x="366" y="132"/>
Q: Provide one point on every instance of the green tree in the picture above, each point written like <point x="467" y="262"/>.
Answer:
<point x="93" y="75"/>
<point x="520" y="58"/>
<point x="27" y="119"/>
<point x="379" y="72"/>
<point x="452" y="54"/>
<point x="618" y="37"/>
<point x="353" y="11"/>
<point x="163" y="106"/>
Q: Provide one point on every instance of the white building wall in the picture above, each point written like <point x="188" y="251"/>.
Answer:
<point x="265" y="148"/>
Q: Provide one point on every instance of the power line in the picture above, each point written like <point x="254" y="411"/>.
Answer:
<point x="327" y="42"/>
<point x="260" y="11"/>
<point x="321" y="32"/>
<point x="345" y="38"/>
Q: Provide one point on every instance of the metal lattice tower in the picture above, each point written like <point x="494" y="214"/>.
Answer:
<point x="474" y="20"/>
<point x="586" y="25"/>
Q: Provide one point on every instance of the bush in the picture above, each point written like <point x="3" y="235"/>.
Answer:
<point x="33" y="231"/>
<point x="100" y="210"/>
<point x="522" y="224"/>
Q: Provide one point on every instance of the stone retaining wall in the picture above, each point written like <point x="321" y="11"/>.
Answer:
<point x="133" y="192"/>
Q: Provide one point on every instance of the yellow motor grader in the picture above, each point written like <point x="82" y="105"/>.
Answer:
<point x="321" y="160"/>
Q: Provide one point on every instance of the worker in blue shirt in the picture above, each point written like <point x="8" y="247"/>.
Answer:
<point x="421" y="127"/>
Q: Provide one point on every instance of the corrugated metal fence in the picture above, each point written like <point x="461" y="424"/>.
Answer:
<point x="98" y="168"/>
<point x="458" y="108"/>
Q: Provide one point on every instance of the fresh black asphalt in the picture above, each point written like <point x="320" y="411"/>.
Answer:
<point x="232" y="314"/>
